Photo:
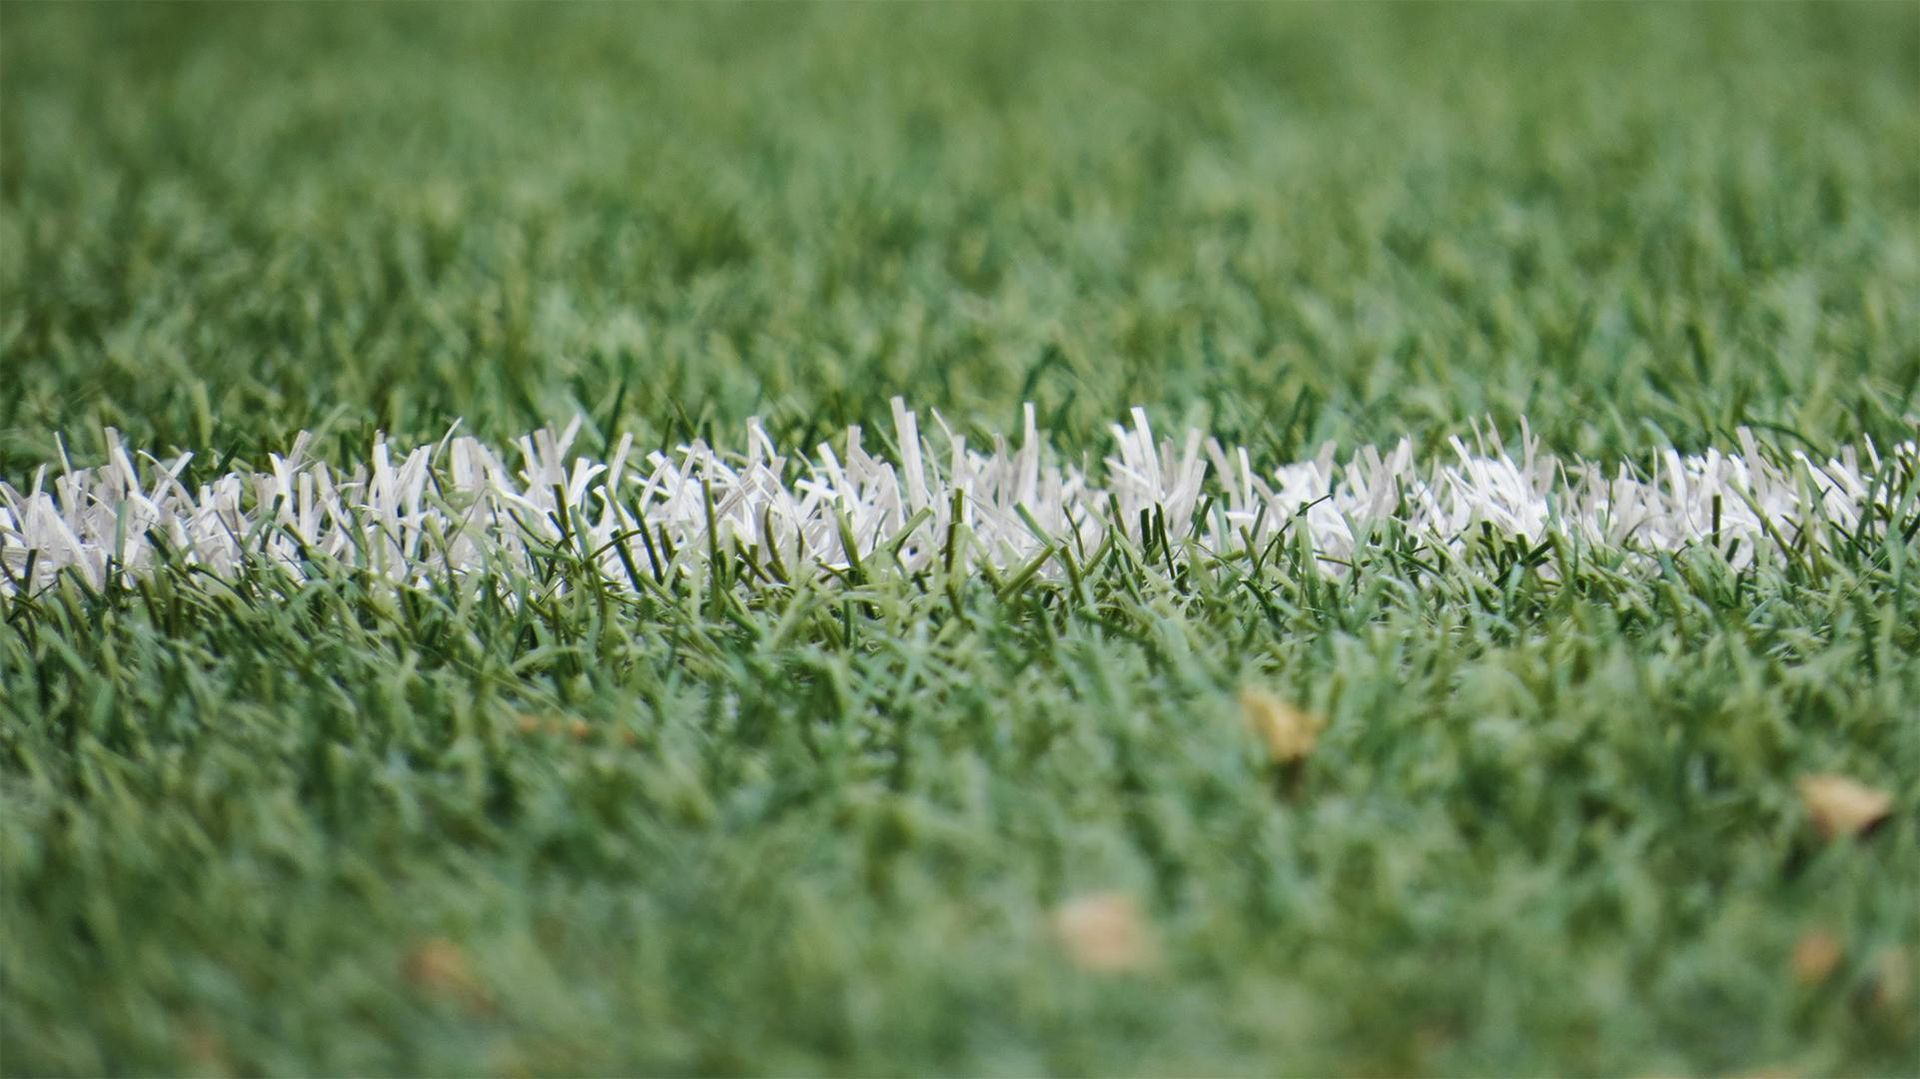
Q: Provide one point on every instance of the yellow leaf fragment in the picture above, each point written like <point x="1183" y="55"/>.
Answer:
<point x="1841" y="806"/>
<point x="1816" y="955"/>
<point x="1289" y="733"/>
<point x="1105" y="932"/>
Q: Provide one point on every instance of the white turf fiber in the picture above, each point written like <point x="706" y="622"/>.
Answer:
<point x="461" y="505"/>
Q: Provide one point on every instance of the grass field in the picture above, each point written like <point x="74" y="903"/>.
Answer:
<point x="294" y="817"/>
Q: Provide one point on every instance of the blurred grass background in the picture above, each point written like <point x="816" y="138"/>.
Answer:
<point x="1638" y="225"/>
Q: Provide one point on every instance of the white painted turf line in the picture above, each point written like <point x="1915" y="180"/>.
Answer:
<point x="461" y="505"/>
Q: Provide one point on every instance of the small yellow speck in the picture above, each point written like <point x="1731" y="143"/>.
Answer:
<point x="1816" y="955"/>
<point x="1841" y="806"/>
<point x="1289" y="732"/>
<point x="1105" y="932"/>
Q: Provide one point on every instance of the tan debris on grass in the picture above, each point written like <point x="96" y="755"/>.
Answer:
<point x="1105" y="932"/>
<point x="579" y="730"/>
<point x="438" y="967"/>
<point x="202" y="1045"/>
<point x="1289" y="732"/>
<point x="1842" y="806"/>
<point x="1816" y="955"/>
<point x="1893" y="982"/>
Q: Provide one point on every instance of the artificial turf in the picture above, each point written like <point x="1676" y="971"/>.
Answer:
<point x="308" y="822"/>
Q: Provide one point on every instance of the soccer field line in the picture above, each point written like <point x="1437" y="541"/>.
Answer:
<point x="460" y="505"/>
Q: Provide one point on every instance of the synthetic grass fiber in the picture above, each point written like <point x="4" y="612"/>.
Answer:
<point x="920" y="775"/>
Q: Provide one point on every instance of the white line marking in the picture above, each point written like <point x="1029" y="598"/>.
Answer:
<point x="461" y="505"/>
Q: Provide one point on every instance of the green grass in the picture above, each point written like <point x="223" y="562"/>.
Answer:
<point x="722" y="826"/>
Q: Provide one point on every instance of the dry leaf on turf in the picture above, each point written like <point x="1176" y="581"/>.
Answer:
<point x="1841" y="806"/>
<point x="1105" y="932"/>
<point x="1815" y="957"/>
<point x="1288" y="732"/>
<point x="438" y="967"/>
